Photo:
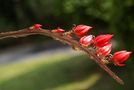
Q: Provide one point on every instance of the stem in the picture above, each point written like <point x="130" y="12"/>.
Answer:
<point x="62" y="38"/>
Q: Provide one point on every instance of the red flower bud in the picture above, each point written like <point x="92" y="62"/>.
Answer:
<point x="37" y="26"/>
<point x="86" y="40"/>
<point x="59" y="30"/>
<point x="105" y="50"/>
<point x="102" y="40"/>
<point x="120" y="57"/>
<point x="81" y="30"/>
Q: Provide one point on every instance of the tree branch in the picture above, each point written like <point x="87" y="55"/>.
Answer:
<point x="62" y="38"/>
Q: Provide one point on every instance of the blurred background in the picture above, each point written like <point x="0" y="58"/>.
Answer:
<point x="40" y="63"/>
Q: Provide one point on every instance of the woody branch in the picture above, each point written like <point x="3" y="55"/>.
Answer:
<point x="62" y="38"/>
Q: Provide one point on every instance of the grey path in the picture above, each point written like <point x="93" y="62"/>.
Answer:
<point x="30" y="51"/>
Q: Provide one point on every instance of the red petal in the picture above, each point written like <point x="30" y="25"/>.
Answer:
<point x="102" y="40"/>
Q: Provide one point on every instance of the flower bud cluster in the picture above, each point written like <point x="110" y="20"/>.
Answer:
<point x="99" y="43"/>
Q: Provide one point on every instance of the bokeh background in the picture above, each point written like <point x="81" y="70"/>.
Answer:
<point x="40" y="63"/>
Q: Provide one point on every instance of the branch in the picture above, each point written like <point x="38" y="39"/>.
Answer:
<point x="62" y="38"/>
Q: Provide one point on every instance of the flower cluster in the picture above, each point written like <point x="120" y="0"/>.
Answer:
<point x="100" y="44"/>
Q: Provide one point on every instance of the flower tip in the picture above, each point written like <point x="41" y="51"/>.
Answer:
<point x="129" y="53"/>
<point x="110" y="35"/>
<point x="90" y="27"/>
<point x="37" y="26"/>
<point x="109" y="45"/>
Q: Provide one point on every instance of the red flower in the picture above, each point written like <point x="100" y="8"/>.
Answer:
<point x="59" y="30"/>
<point x="37" y="26"/>
<point x="102" y="40"/>
<point x="81" y="30"/>
<point x="120" y="57"/>
<point x="86" y="40"/>
<point x="105" y="50"/>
